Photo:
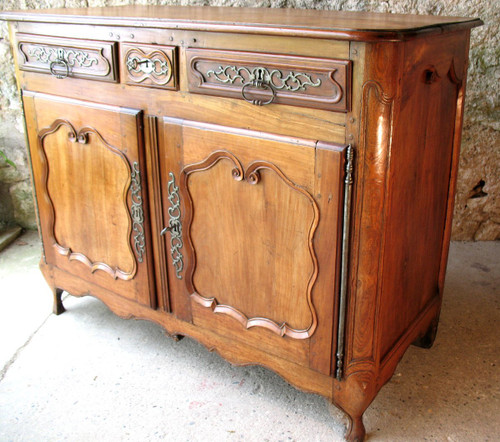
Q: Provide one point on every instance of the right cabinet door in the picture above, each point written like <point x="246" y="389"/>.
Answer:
<point x="253" y="228"/>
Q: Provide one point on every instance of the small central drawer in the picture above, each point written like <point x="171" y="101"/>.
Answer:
<point x="149" y="65"/>
<point x="64" y="57"/>
<point x="262" y="78"/>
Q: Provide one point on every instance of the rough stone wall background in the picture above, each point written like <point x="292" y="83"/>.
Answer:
<point x="477" y="208"/>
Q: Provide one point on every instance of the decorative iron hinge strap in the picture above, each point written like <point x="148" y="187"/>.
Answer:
<point x="137" y="212"/>
<point x="345" y="255"/>
<point x="174" y="226"/>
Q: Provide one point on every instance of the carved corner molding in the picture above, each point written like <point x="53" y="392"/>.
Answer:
<point x="376" y="114"/>
<point x="252" y="176"/>
<point x="133" y="185"/>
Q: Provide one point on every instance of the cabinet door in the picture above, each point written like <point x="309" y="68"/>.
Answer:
<point x="88" y="178"/>
<point x="253" y="231"/>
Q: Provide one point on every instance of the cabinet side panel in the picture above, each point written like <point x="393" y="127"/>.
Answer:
<point x="423" y="143"/>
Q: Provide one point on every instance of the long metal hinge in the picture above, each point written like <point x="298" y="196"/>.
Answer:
<point x="345" y="255"/>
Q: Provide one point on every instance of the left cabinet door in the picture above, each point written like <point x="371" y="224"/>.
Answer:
<point x="89" y="182"/>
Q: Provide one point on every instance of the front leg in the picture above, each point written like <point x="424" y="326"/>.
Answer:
<point x="58" y="306"/>
<point x="426" y="339"/>
<point x="356" y="429"/>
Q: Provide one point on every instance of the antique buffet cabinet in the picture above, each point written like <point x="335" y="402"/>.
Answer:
<point x="276" y="184"/>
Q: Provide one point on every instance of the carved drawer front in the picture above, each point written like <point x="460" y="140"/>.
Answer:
<point x="271" y="78"/>
<point x="149" y="65"/>
<point x="63" y="57"/>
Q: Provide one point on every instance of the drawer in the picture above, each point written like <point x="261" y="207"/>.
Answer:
<point x="262" y="78"/>
<point x="63" y="57"/>
<point x="149" y="65"/>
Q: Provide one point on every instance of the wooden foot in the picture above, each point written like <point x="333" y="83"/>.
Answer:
<point x="177" y="338"/>
<point x="428" y="338"/>
<point x="356" y="429"/>
<point x="58" y="306"/>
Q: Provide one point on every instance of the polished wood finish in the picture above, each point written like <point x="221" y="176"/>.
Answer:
<point x="172" y="199"/>
<point x="355" y="26"/>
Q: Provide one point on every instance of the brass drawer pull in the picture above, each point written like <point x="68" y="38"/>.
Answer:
<point x="259" y="79"/>
<point x="59" y="61"/>
<point x="258" y="84"/>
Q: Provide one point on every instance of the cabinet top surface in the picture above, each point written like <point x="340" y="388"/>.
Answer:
<point x="293" y="22"/>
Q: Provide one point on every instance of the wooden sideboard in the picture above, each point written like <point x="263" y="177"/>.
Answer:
<point x="276" y="184"/>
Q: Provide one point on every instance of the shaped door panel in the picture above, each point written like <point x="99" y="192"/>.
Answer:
<point x="247" y="212"/>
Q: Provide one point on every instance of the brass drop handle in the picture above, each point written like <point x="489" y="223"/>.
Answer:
<point x="258" y="80"/>
<point x="61" y="62"/>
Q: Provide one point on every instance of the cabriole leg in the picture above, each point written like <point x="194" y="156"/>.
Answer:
<point x="58" y="306"/>
<point x="356" y="429"/>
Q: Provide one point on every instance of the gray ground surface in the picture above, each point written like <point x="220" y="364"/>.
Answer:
<point x="88" y="374"/>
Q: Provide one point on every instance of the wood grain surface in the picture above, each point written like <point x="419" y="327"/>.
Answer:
<point x="290" y="22"/>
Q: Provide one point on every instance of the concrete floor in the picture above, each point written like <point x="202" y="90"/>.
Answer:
<point x="89" y="375"/>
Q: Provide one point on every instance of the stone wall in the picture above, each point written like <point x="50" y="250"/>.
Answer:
<point x="477" y="209"/>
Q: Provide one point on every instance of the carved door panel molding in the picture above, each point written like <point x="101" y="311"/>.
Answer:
<point x="253" y="219"/>
<point x="91" y="192"/>
<point x="89" y="139"/>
